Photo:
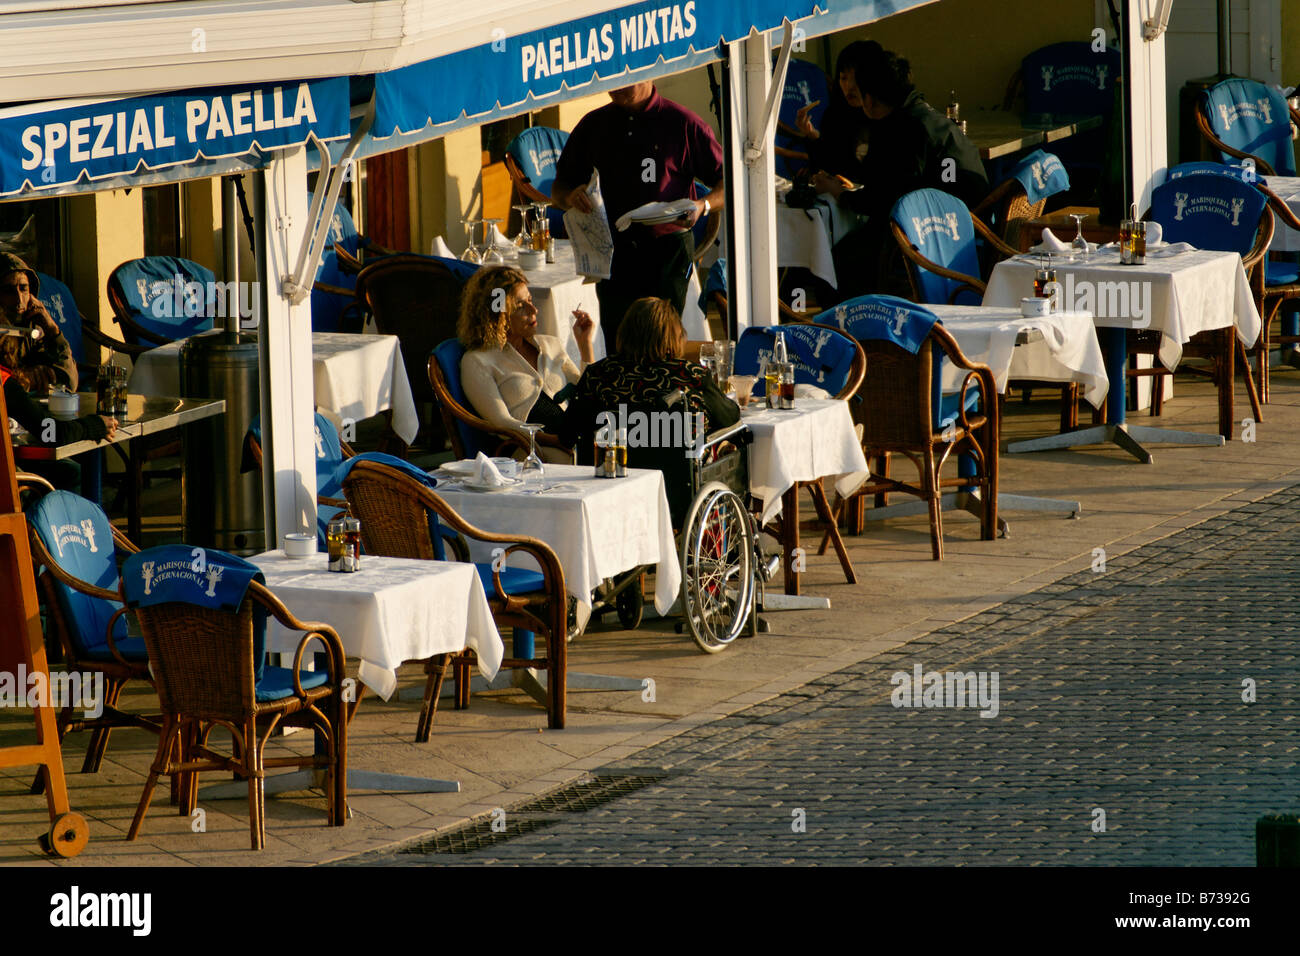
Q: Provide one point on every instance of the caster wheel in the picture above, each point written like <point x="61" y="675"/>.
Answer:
<point x="630" y="604"/>
<point x="68" y="836"/>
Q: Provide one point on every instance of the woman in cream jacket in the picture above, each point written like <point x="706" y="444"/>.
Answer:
<point x="512" y="375"/>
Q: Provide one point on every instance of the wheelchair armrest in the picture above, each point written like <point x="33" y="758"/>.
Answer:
<point x="738" y="433"/>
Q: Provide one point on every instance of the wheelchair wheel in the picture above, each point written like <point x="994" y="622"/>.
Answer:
<point x="717" y="558"/>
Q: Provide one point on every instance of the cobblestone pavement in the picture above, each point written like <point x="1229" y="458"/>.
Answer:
<point x="1119" y="692"/>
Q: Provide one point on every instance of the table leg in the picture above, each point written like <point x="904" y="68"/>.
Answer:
<point x="134" y="480"/>
<point x="1117" y="431"/>
<point x="790" y="537"/>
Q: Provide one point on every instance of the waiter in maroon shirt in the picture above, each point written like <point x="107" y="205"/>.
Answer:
<point x="647" y="149"/>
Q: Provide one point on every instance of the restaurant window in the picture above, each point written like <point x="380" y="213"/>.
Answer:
<point x="40" y="244"/>
<point x="162" y="220"/>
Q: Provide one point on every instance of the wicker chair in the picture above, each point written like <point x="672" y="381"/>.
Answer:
<point x="416" y="298"/>
<point x="394" y="511"/>
<point x="902" y="410"/>
<point x="1009" y="204"/>
<point x="81" y="613"/>
<point x="204" y="667"/>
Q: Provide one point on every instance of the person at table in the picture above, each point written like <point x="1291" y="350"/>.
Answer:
<point x="37" y="364"/>
<point x="647" y="149"/>
<point x="840" y="144"/>
<point x="646" y="369"/>
<point x="512" y="374"/>
<point x="912" y="146"/>
<point x="62" y="473"/>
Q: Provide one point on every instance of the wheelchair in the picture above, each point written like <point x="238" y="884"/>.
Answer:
<point x="718" y="544"/>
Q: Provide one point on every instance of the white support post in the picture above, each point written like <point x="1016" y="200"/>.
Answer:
<point x="737" y="175"/>
<point x="759" y="190"/>
<point x="289" y="454"/>
<point x="1146" y="101"/>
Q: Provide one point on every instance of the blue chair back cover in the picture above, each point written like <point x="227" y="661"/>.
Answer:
<point x="1206" y="169"/>
<point x="1070" y="78"/>
<point x="77" y="534"/>
<point x="1253" y="118"/>
<point x="449" y="353"/>
<point x="149" y="288"/>
<point x="537" y="151"/>
<point x="327" y="308"/>
<point x="804" y="83"/>
<point x="406" y="468"/>
<point x="715" y="281"/>
<point x="204" y="577"/>
<point x="1042" y="174"/>
<point x="939" y="226"/>
<point x="329" y="453"/>
<point x="1210" y="212"/>
<point x="820" y="357"/>
<point x="887" y="318"/>
<point x="58" y="301"/>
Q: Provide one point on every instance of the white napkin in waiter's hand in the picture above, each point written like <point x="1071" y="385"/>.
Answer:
<point x="1050" y="243"/>
<point x="487" y="473"/>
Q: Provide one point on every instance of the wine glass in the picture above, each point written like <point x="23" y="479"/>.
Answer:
<point x="471" y="253"/>
<point x="531" y="471"/>
<point x="523" y="239"/>
<point x="1079" y="244"/>
<point x="491" y="254"/>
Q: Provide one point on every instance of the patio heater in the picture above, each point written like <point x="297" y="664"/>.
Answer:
<point x="1191" y="145"/>
<point x="221" y="507"/>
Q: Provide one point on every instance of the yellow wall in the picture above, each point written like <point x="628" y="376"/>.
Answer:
<point x="444" y="188"/>
<point x="104" y="230"/>
<point x="1290" y="42"/>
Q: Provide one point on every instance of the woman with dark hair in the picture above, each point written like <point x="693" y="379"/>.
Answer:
<point x="510" y="373"/>
<point x="840" y="144"/>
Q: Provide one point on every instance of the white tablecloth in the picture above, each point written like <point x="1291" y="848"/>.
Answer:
<point x="356" y="376"/>
<point x="814" y="440"/>
<point x="1178" y="296"/>
<point x="1065" y="350"/>
<point x="391" y="611"/>
<point x="598" y="529"/>
<point x="804" y="237"/>
<point x="1285" y="239"/>
<point x="558" y="290"/>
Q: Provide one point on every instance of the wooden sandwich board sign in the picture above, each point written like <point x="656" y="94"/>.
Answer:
<point x="21" y="645"/>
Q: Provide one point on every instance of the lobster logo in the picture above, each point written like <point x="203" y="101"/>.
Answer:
<point x="146" y="575"/>
<point x="1047" y="77"/>
<point x="1237" y="206"/>
<point x="1228" y="113"/>
<point x="320" y="443"/>
<point x="899" y="321"/>
<point x="1266" y="108"/>
<point x="1039" y="179"/>
<point x="1102" y="70"/>
<point x="823" y="336"/>
<point x="88" y="529"/>
<point x="951" y="219"/>
<point x="1180" y="203"/>
<point x="214" y="575"/>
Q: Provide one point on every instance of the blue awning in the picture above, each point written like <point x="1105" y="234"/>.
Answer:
<point x="46" y="148"/>
<point x="527" y="71"/>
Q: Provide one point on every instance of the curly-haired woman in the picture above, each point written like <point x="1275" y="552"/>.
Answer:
<point x="512" y="375"/>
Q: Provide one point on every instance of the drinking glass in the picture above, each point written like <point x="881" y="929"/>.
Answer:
<point x="541" y="226"/>
<point x="1079" y="244"/>
<point x="471" y="253"/>
<point x="531" y="471"/>
<point x="1126" y="242"/>
<point x="491" y="254"/>
<point x="724" y="361"/>
<point x="744" y="386"/>
<point x="772" y="383"/>
<point x="708" y="358"/>
<point x="524" y="238"/>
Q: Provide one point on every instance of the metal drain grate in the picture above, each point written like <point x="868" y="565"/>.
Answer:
<point x="575" y="798"/>
<point x="477" y="836"/>
<point x="588" y="794"/>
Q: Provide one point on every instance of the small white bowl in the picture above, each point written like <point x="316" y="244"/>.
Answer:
<point x="64" y="405"/>
<point x="530" y="259"/>
<point x="1035" y="306"/>
<point x="299" y="545"/>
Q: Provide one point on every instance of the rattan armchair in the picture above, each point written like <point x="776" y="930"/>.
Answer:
<point x="204" y="667"/>
<point x="394" y="510"/>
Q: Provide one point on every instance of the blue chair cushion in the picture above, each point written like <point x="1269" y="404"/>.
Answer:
<point x="949" y="404"/>
<point x="1281" y="273"/>
<point x="939" y="227"/>
<point x="131" y="648"/>
<point x="58" y="301"/>
<point x="1041" y="174"/>
<point x="329" y="453"/>
<point x="150" y="287"/>
<point x="449" y="354"/>
<point x="78" y="536"/>
<point x="276" y="683"/>
<point x="1252" y="118"/>
<point x="1210" y="212"/>
<point x="513" y="580"/>
<point x="821" y="357"/>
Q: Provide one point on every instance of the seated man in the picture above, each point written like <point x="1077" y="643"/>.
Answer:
<point x="37" y="364"/>
<point x="62" y="473"/>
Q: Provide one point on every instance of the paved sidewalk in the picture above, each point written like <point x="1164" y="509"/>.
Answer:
<point x="1119" y="692"/>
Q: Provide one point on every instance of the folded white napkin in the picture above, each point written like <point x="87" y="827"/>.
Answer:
<point x="810" y="391"/>
<point x="1168" y="249"/>
<point x="440" y="248"/>
<point x="1050" y="243"/>
<point x="1155" y="234"/>
<point x="487" y="473"/>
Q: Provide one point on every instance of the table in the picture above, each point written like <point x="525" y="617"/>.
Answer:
<point x="1061" y="347"/>
<point x="1285" y="239"/>
<point x="355" y="376"/>
<point x="391" y="611"/>
<point x="1029" y="232"/>
<point x="557" y="290"/>
<point x="145" y="415"/>
<point x="814" y="440"/>
<point x="1177" y="297"/>
<point x="999" y="133"/>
